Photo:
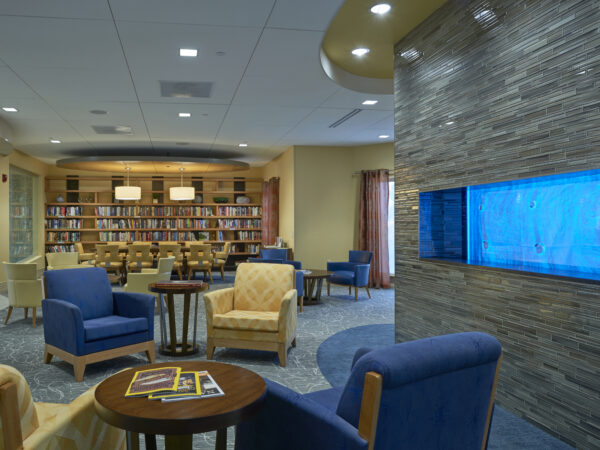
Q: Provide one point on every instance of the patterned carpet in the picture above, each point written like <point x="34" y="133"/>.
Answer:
<point x="21" y="346"/>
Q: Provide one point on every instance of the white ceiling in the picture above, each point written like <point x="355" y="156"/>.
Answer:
<point x="61" y="59"/>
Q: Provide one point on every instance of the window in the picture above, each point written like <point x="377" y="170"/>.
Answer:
<point x="391" y="228"/>
<point x="22" y="214"/>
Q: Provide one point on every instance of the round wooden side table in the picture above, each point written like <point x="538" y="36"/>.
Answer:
<point x="314" y="278"/>
<point x="178" y="421"/>
<point x="174" y="347"/>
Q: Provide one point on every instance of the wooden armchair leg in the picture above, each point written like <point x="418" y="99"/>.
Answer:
<point x="79" y="368"/>
<point x="282" y="352"/>
<point x="47" y="356"/>
<point x="33" y="316"/>
<point x="180" y="273"/>
<point x="150" y="354"/>
<point x="350" y="290"/>
<point x="368" y="293"/>
<point x="210" y="276"/>
<point x="328" y="292"/>
<point x="210" y="348"/>
<point x="301" y="303"/>
<point x="222" y="272"/>
<point x="10" y="308"/>
<point x="26" y="312"/>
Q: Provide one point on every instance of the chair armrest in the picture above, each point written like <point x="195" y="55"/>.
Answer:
<point x="333" y="266"/>
<point x="292" y="422"/>
<point x="361" y="274"/>
<point x="297" y="264"/>
<point x="63" y="325"/>
<point x="139" y="281"/>
<point x="146" y="270"/>
<point x="300" y="283"/>
<point x="76" y="425"/>
<point x="287" y="314"/>
<point x="217" y="302"/>
<point x="26" y="293"/>
<point x="133" y="304"/>
<point x="359" y="353"/>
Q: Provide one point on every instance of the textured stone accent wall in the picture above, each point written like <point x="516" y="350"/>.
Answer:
<point x="511" y="95"/>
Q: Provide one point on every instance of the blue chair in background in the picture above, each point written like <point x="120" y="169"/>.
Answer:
<point x="86" y="322"/>
<point x="434" y="393"/>
<point x="274" y="253"/>
<point x="297" y="265"/>
<point x="355" y="272"/>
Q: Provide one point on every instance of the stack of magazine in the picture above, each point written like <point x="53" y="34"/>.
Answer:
<point x="171" y="384"/>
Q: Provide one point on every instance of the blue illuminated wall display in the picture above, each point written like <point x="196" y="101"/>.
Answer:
<point x="546" y="224"/>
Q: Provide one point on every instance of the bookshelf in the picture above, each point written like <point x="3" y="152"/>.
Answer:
<point x="89" y="213"/>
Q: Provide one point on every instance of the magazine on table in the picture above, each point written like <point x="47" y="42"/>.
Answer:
<point x="145" y="382"/>
<point x="192" y="385"/>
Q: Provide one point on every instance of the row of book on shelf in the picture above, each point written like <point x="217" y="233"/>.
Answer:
<point x="158" y="211"/>
<point x="171" y="384"/>
<point x="63" y="223"/>
<point x="235" y="248"/>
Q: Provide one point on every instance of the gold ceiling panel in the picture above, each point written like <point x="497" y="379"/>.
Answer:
<point x="356" y="26"/>
<point x="152" y="165"/>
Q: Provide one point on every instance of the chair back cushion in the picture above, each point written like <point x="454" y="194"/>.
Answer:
<point x="273" y="253"/>
<point x="139" y="253"/>
<point x="58" y="259"/>
<point x="199" y="253"/>
<point x="88" y="289"/>
<point x="360" y="256"/>
<point x="17" y="271"/>
<point x="261" y="287"/>
<point x="165" y="265"/>
<point x="108" y="253"/>
<point x="26" y="407"/>
<point x="166" y="249"/>
<point x="436" y="391"/>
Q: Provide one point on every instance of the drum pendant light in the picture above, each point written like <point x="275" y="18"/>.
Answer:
<point x="182" y="192"/>
<point x="128" y="192"/>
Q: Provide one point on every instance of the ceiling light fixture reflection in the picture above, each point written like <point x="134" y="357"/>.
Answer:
<point x="360" y="51"/>
<point x="370" y="102"/>
<point x="411" y="54"/>
<point x="184" y="114"/>
<point x="450" y="122"/>
<point x="381" y="8"/>
<point x="189" y="52"/>
<point x="128" y="192"/>
<point x="384" y="136"/>
<point x="55" y="141"/>
<point x="243" y="144"/>
<point x="182" y="192"/>
<point x="9" y="109"/>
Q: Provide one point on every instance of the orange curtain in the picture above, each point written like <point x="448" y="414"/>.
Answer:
<point x="270" y="211"/>
<point x="372" y="224"/>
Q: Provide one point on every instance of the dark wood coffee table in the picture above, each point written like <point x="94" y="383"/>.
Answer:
<point x="187" y="288"/>
<point x="314" y="278"/>
<point x="178" y="421"/>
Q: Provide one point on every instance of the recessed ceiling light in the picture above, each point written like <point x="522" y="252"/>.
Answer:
<point x="381" y="8"/>
<point x="243" y="144"/>
<point x="55" y="141"/>
<point x="450" y="122"/>
<point x="98" y="111"/>
<point x="191" y="52"/>
<point x="9" y="109"/>
<point x="220" y="53"/>
<point x="360" y="51"/>
<point x="370" y="102"/>
<point x="384" y="136"/>
<point x="185" y="114"/>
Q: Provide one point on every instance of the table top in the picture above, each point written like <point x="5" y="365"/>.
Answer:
<point x="178" y="286"/>
<point x="317" y="273"/>
<point x="244" y="397"/>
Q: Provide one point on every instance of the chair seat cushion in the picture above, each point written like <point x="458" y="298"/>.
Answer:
<point x="140" y="264"/>
<point x="342" y="277"/>
<point x="219" y="261"/>
<point x="329" y="398"/>
<point x="247" y="320"/>
<point x="112" y="326"/>
<point x="109" y="264"/>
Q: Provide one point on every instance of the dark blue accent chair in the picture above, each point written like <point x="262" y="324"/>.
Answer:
<point x="355" y="272"/>
<point x="85" y="322"/>
<point x="299" y="275"/>
<point x="436" y="393"/>
<point x="274" y="253"/>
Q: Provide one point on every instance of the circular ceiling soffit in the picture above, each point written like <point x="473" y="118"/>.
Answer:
<point x="152" y="164"/>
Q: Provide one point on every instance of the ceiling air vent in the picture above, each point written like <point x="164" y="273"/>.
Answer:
<point x="185" y="89"/>
<point x="344" y="118"/>
<point x="112" y="129"/>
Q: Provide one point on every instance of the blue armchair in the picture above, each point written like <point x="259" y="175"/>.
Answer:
<point x="299" y="275"/>
<point x="355" y="272"/>
<point x="434" y="393"/>
<point x="274" y="253"/>
<point x="85" y="322"/>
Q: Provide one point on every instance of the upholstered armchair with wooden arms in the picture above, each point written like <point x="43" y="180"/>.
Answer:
<point x="168" y="249"/>
<point x="355" y="272"/>
<point x="24" y="288"/>
<point x="29" y="425"/>
<point x="109" y="258"/>
<point x="200" y="259"/>
<point x="139" y="257"/>
<point x="138" y="282"/>
<point x="221" y="258"/>
<point x="258" y="312"/>
<point x="64" y="260"/>
<point x="83" y="256"/>
<point x="433" y="393"/>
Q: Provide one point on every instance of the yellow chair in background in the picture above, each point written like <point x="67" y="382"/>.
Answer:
<point x="258" y="312"/>
<point x="168" y="249"/>
<point x="63" y="260"/>
<point x="24" y="288"/>
<point x="108" y="257"/>
<point x="27" y="425"/>
<point x="221" y="258"/>
<point x="200" y="259"/>
<point x="139" y="257"/>
<point x="83" y="256"/>
<point x="138" y="282"/>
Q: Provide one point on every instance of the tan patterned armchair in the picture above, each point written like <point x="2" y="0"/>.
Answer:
<point x="139" y="257"/>
<point x="24" y="288"/>
<point x="109" y="258"/>
<point x="200" y="259"/>
<point x="27" y="425"/>
<point x="167" y="249"/>
<point x="258" y="312"/>
<point x="221" y="258"/>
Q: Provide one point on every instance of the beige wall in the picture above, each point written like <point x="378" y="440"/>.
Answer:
<point x="283" y="167"/>
<point x="39" y="168"/>
<point x="326" y="199"/>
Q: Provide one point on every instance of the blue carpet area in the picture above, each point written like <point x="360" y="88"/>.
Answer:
<point x="334" y="357"/>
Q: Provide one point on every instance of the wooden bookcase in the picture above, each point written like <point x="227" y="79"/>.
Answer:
<point x="89" y="213"/>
